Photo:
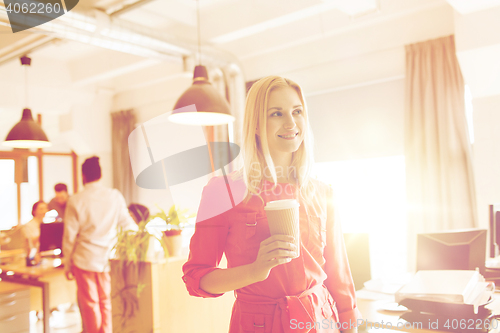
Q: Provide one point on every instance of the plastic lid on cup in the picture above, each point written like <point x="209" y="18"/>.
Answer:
<point x="282" y="204"/>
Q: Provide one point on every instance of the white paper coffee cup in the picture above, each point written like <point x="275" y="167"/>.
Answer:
<point x="283" y="219"/>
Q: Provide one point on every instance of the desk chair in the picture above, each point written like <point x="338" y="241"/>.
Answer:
<point x="358" y="253"/>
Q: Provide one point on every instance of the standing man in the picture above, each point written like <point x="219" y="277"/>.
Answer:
<point x="91" y="219"/>
<point x="59" y="201"/>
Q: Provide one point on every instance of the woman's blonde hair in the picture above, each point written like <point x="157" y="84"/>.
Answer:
<point x="255" y="150"/>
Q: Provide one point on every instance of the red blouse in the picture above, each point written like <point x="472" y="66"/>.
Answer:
<point x="311" y="293"/>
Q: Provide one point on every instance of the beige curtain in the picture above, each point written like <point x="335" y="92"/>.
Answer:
<point x="439" y="177"/>
<point x="123" y="123"/>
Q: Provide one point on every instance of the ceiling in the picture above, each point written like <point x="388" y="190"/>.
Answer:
<point x="232" y="31"/>
<point x="239" y="29"/>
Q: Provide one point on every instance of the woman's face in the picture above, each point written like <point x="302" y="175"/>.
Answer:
<point x="286" y="122"/>
<point x="41" y="210"/>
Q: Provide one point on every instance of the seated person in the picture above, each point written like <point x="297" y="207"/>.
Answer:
<point x="59" y="201"/>
<point x="138" y="212"/>
<point x="31" y="230"/>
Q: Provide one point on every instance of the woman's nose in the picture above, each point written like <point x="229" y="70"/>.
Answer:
<point x="289" y="123"/>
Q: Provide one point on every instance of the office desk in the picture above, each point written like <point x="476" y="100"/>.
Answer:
<point x="47" y="277"/>
<point x="386" y="321"/>
<point x="14" y="307"/>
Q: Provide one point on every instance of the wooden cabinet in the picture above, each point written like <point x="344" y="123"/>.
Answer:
<point x="14" y="308"/>
<point x="164" y="304"/>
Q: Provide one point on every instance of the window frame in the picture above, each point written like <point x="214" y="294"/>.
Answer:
<point x="19" y="154"/>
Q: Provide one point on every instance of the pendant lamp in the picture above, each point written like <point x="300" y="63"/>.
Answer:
<point x="212" y="108"/>
<point x="26" y="133"/>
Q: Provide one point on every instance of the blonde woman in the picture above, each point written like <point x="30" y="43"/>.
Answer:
<point x="275" y="290"/>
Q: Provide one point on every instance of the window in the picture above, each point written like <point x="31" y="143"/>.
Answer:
<point x="370" y="198"/>
<point x="29" y="189"/>
<point x="21" y="185"/>
<point x="8" y="194"/>
<point x="27" y="184"/>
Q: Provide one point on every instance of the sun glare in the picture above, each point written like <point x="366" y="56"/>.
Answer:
<point x="370" y="198"/>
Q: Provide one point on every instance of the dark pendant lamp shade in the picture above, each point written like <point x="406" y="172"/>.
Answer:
<point x="26" y="134"/>
<point x="212" y="108"/>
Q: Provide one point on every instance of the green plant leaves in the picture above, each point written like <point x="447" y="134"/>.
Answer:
<point x="131" y="249"/>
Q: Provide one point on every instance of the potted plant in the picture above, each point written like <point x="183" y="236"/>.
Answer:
<point x="131" y="252"/>
<point x="177" y="220"/>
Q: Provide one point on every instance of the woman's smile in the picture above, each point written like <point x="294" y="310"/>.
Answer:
<point x="289" y="136"/>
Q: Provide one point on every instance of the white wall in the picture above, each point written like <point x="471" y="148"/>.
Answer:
<point x="478" y="51"/>
<point x="486" y="154"/>
<point x="57" y="169"/>
<point x="358" y="123"/>
<point x="88" y="132"/>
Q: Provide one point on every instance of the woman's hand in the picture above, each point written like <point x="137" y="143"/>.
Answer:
<point x="273" y="251"/>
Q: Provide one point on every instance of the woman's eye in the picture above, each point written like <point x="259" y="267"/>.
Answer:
<point x="298" y="111"/>
<point x="275" y="114"/>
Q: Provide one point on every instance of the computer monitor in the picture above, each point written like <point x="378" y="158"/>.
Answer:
<point x="455" y="249"/>
<point x="51" y="235"/>
<point x="494" y="230"/>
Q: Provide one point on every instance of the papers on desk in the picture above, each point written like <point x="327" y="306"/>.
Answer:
<point x="493" y="263"/>
<point x="449" y="286"/>
<point x="381" y="289"/>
